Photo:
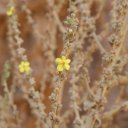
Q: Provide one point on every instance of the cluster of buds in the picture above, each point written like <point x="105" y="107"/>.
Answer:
<point x="72" y="25"/>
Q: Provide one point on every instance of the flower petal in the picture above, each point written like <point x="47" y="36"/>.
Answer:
<point x="60" y="68"/>
<point x="27" y="69"/>
<point x="58" y="61"/>
<point x="21" y="69"/>
<point x="67" y="66"/>
<point x="63" y="58"/>
<point x="68" y="61"/>
<point x="10" y="11"/>
<point x="26" y="64"/>
<point x="22" y="63"/>
<point x="19" y="66"/>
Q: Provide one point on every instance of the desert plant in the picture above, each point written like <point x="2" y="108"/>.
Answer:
<point x="64" y="64"/>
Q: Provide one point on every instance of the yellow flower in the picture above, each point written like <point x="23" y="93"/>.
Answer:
<point x="10" y="11"/>
<point x="63" y="63"/>
<point x="24" y="67"/>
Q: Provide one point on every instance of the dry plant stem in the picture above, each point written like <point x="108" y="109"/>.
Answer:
<point x="122" y="81"/>
<point x="56" y="96"/>
<point x="74" y="88"/>
<point x="92" y="31"/>
<point x="47" y="47"/>
<point x="122" y="62"/>
<point x="75" y="67"/>
<point x="11" y="40"/>
<point x="88" y="24"/>
<point x="116" y="109"/>
<point x="31" y="93"/>
<point x="56" y="17"/>
<point x="14" y="59"/>
<point x="116" y="49"/>
<point x="8" y="97"/>
<point x="119" y="97"/>
<point x="60" y="5"/>
<point x="114" y="83"/>
<point x="86" y="81"/>
<point x="85" y="58"/>
<point x="120" y="47"/>
<point x="102" y="4"/>
<point x="74" y="80"/>
<point x="12" y="46"/>
<point x="6" y="74"/>
<point x="98" y="43"/>
<point x="16" y="81"/>
<point x="104" y="83"/>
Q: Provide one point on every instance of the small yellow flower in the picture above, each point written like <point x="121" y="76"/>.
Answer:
<point x="63" y="63"/>
<point x="24" y="67"/>
<point x="10" y="11"/>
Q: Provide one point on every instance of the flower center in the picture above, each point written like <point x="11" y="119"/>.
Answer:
<point x="63" y="63"/>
